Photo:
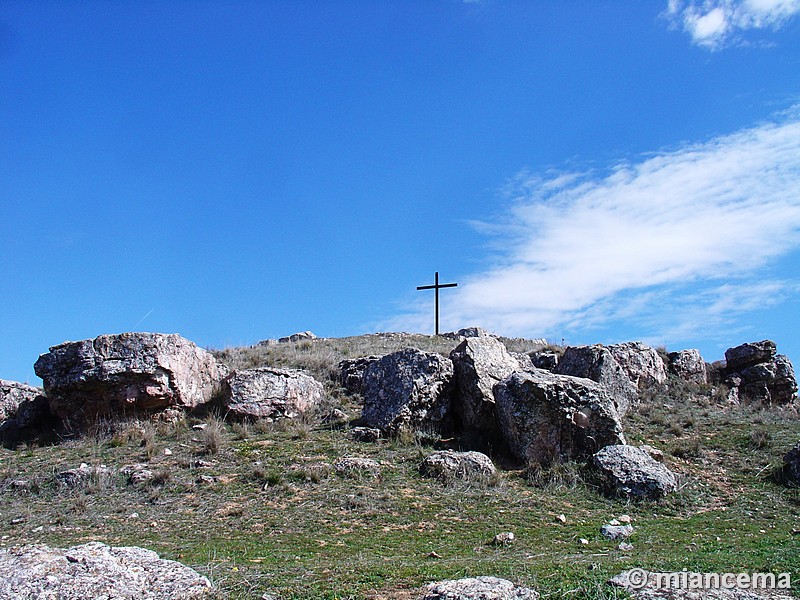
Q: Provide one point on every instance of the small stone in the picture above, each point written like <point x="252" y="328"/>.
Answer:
<point x="584" y="542"/>
<point x="616" y="532"/>
<point x="624" y="519"/>
<point x="614" y="522"/>
<point x="167" y="452"/>
<point x="503" y="539"/>
<point x="562" y="518"/>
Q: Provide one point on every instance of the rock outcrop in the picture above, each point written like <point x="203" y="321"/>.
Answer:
<point x="408" y="388"/>
<point x="598" y="364"/>
<point x="479" y="364"/>
<point x="689" y="366"/>
<point x="449" y="465"/>
<point x="548" y="418"/>
<point x="630" y="472"/>
<point x="759" y="374"/>
<point x="642" y="364"/>
<point x="298" y="337"/>
<point x="270" y="394"/>
<point x="124" y="374"/>
<point x="95" y="570"/>
<point x="478" y="588"/>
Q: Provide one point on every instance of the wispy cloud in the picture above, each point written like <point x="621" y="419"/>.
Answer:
<point x="714" y="23"/>
<point x="670" y="244"/>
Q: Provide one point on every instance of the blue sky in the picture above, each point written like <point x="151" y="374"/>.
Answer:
<point x="235" y="171"/>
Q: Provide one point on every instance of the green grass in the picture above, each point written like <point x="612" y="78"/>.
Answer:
<point x="260" y="509"/>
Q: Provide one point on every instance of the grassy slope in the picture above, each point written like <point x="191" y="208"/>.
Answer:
<point x="277" y="520"/>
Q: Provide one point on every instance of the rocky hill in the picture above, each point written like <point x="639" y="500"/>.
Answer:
<point x="373" y="466"/>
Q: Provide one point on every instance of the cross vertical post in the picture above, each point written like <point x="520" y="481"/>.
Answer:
<point x="435" y="287"/>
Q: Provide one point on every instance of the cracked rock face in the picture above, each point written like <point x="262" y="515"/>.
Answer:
<point x="598" y="364"/>
<point x="641" y="363"/>
<point x="689" y="366"/>
<point x="407" y="388"/>
<point x="547" y="418"/>
<point x="270" y="394"/>
<point x="480" y="363"/>
<point x="95" y="570"/>
<point x="114" y="375"/>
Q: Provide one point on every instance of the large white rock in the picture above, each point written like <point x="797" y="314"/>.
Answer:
<point x="270" y="394"/>
<point x="478" y="588"/>
<point x="126" y="373"/>
<point x="96" y="571"/>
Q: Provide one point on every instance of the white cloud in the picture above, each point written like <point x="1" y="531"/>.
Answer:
<point x="669" y="244"/>
<point x="713" y="23"/>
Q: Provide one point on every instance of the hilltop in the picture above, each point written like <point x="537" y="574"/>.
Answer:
<point x="281" y="509"/>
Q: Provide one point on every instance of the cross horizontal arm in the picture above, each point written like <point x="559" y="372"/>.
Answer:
<point x="433" y="287"/>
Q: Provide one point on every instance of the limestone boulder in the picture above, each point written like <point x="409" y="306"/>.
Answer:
<point x="749" y="354"/>
<point x="12" y="394"/>
<point x="95" y="570"/>
<point x="408" y="388"/>
<point x="478" y="588"/>
<point x="126" y="373"/>
<point x="468" y="332"/>
<point x="631" y="472"/>
<point x="546" y="418"/>
<point x="449" y="465"/>
<point x="480" y="363"/>
<point x="642" y="364"/>
<point x="758" y="374"/>
<point x="688" y="365"/>
<point x="598" y="364"/>
<point x="270" y="394"/>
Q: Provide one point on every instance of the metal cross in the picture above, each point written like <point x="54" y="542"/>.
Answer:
<point x="436" y="287"/>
